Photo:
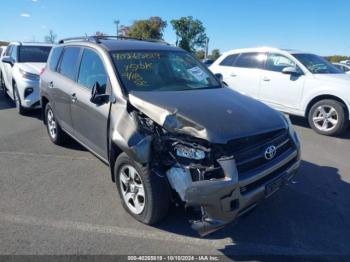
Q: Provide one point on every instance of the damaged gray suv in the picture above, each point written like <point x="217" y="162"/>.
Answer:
<point x="167" y="128"/>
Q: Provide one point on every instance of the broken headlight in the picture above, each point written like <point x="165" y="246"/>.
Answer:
<point x="189" y="152"/>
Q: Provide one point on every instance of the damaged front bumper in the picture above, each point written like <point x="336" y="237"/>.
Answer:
<point x="223" y="200"/>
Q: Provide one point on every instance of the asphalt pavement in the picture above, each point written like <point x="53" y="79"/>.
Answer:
<point x="60" y="200"/>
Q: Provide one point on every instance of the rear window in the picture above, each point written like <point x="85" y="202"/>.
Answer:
<point x="33" y="54"/>
<point x="69" y="62"/>
<point x="251" y="60"/>
<point x="229" y="60"/>
<point x="54" y="58"/>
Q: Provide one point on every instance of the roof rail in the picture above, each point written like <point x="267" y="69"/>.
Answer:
<point x="96" y="39"/>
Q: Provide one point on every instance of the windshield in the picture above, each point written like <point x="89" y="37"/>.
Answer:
<point x="162" y="71"/>
<point x="33" y="54"/>
<point x="316" y="64"/>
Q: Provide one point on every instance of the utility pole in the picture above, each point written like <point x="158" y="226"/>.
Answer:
<point x="206" y="47"/>
<point x="116" y="22"/>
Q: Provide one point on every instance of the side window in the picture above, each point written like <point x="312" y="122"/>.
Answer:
<point x="277" y="62"/>
<point x="229" y="60"/>
<point x="69" y="63"/>
<point x="92" y="70"/>
<point x="251" y="60"/>
<point x="14" y="53"/>
<point x="55" y="57"/>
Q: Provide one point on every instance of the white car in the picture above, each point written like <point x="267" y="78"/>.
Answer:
<point x="294" y="82"/>
<point x="343" y="67"/>
<point x="347" y="62"/>
<point x="21" y="66"/>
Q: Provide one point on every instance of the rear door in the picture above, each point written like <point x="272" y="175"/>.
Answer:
<point x="279" y="90"/>
<point x="90" y="120"/>
<point x="62" y="86"/>
<point x="244" y="75"/>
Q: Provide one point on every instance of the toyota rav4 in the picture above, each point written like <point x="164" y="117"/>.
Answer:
<point x="167" y="128"/>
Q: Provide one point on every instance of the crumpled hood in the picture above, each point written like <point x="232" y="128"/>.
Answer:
<point x="216" y="115"/>
<point x="343" y="79"/>
<point x="33" y="68"/>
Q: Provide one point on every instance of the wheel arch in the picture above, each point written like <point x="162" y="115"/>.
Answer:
<point x="44" y="101"/>
<point x="323" y="97"/>
<point x="114" y="152"/>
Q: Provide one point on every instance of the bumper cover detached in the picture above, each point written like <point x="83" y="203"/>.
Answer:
<point x="223" y="200"/>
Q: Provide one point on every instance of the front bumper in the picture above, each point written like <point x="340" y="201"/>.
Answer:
<point x="32" y="100"/>
<point x="223" y="200"/>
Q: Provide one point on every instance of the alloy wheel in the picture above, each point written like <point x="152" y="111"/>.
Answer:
<point x="51" y="124"/>
<point x="132" y="189"/>
<point x="325" y="118"/>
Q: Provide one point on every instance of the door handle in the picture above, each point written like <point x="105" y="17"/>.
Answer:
<point x="51" y="85"/>
<point x="266" y="79"/>
<point x="74" y="98"/>
<point x="233" y="75"/>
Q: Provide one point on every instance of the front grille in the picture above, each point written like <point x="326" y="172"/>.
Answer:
<point x="249" y="152"/>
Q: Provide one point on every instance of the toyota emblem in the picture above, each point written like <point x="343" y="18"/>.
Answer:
<point x="270" y="152"/>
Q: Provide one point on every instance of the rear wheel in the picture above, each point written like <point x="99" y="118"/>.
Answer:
<point x="17" y="100"/>
<point x="56" y="134"/>
<point x="144" y="194"/>
<point x="328" y="117"/>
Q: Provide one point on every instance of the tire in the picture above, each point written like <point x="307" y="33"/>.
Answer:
<point x="328" y="117"/>
<point x="2" y="84"/>
<point x="156" y="193"/>
<point x="17" y="99"/>
<point x="56" y="134"/>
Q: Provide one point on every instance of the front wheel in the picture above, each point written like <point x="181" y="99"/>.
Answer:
<point x="328" y="117"/>
<point x="144" y="194"/>
<point x="17" y="100"/>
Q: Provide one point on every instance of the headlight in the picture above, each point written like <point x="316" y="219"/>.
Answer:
<point x="29" y="76"/>
<point x="188" y="152"/>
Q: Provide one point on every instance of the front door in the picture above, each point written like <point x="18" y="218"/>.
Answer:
<point x="281" y="91"/>
<point x="90" y="120"/>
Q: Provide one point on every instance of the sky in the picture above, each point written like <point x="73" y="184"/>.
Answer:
<point x="318" y="26"/>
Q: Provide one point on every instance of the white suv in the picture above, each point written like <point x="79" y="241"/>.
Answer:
<point x="294" y="82"/>
<point x="20" y="68"/>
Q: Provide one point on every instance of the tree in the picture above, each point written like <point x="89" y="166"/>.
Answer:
<point x="190" y="33"/>
<point x="215" y="54"/>
<point x="200" y="54"/>
<point x="51" y="37"/>
<point x="151" y="28"/>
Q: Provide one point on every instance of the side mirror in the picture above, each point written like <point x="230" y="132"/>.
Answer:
<point x="7" y="60"/>
<point x="291" y="71"/>
<point x="98" y="95"/>
<point x="219" y="77"/>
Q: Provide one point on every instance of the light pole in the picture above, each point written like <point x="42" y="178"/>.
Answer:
<point x="116" y="22"/>
<point x="206" y="47"/>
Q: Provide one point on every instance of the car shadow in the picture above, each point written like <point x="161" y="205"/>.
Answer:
<point x="302" y="122"/>
<point x="5" y="101"/>
<point x="307" y="217"/>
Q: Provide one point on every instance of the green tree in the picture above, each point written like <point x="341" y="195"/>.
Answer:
<point x="151" y="28"/>
<point x="215" y="54"/>
<point x="200" y="54"/>
<point x="190" y="33"/>
<point x="51" y="37"/>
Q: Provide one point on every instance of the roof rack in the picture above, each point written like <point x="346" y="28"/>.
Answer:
<point x="96" y="39"/>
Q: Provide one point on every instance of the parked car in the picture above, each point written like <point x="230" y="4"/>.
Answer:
<point x="343" y="67"/>
<point x="2" y="52"/>
<point x="207" y="62"/>
<point x="294" y="82"/>
<point x="167" y="128"/>
<point x="21" y="66"/>
<point x="347" y="62"/>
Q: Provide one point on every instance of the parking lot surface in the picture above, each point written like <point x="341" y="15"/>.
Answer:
<point x="60" y="200"/>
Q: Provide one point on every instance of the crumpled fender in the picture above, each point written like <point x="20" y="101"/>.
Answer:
<point x="125" y="134"/>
